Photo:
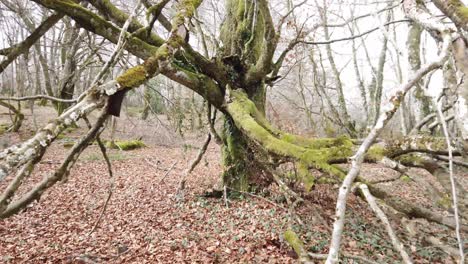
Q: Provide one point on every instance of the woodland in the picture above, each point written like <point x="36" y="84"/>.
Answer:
<point x="233" y="131"/>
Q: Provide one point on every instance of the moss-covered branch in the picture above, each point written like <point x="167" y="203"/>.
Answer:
<point x="455" y="10"/>
<point x="108" y="10"/>
<point x="98" y="25"/>
<point x="264" y="64"/>
<point x="182" y="73"/>
<point x="305" y="152"/>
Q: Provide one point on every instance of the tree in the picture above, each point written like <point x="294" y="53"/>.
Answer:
<point x="234" y="80"/>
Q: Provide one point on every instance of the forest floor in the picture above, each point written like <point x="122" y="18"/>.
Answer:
<point x="145" y="223"/>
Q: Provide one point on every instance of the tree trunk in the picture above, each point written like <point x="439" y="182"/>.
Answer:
<point x="240" y="160"/>
<point x="242" y="34"/>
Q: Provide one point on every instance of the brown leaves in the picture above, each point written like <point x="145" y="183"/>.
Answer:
<point x="143" y="223"/>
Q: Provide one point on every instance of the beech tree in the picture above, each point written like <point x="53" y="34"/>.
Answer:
<point x="234" y="79"/>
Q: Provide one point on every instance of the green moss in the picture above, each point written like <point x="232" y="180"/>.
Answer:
<point x="461" y="9"/>
<point x="445" y="202"/>
<point x="464" y="12"/>
<point x="307" y="178"/>
<point x="375" y="153"/>
<point x="112" y="156"/>
<point x="61" y="136"/>
<point x="133" y="77"/>
<point x="127" y="144"/>
<point x="294" y="241"/>
<point x="405" y="178"/>
<point x="235" y="158"/>
<point x="240" y="8"/>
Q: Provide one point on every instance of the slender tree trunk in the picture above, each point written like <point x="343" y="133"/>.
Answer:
<point x="348" y="123"/>
<point x="414" y="45"/>
<point x="146" y="103"/>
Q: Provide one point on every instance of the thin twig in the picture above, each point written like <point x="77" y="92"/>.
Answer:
<point x="117" y="53"/>
<point x="259" y="197"/>
<point x="167" y="173"/>
<point x="381" y="215"/>
<point x="195" y="162"/>
<point x="103" y="149"/>
<point x="452" y="179"/>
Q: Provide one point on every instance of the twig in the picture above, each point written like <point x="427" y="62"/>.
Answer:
<point x="118" y="48"/>
<point x="167" y="173"/>
<point x="352" y="37"/>
<point x="453" y="252"/>
<point x="381" y="215"/>
<point x="443" y="122"/>
<point x="260" y="197"/>
<point x="102" y="147"/>
<point x="225" y="196"/>
<point x="195" y="162"/>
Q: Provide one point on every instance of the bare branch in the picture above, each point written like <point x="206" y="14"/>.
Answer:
<point x="381" y="215"/>
<point x="354" y="36"/>
<point x="452" y="178"/>
<point x="38" y="97"/>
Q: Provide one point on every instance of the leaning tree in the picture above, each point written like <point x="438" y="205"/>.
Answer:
<point x="235" y="81"/>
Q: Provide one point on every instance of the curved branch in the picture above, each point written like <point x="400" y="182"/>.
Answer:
<point x="13" y="52"/>
<point x="455" y="10"/>
<point x="354" y="36"/>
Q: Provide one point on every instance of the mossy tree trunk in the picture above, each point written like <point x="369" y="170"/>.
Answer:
<point x="240" y="158"/>
<point x="243" y="35"/>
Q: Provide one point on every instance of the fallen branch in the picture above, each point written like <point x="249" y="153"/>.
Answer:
<point x="381" y="215"/>
<point x="410" y="209"/>
<point x="456" y="162"/>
